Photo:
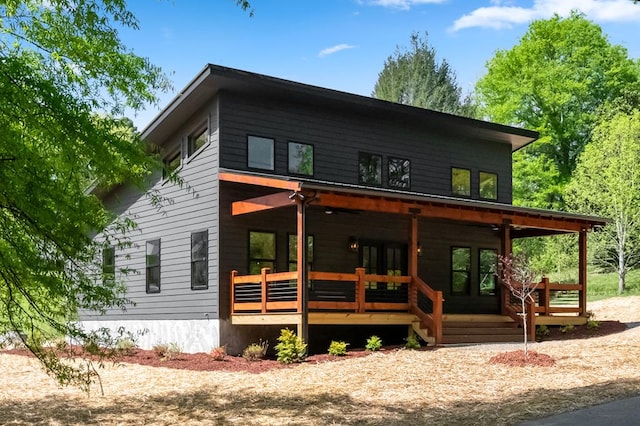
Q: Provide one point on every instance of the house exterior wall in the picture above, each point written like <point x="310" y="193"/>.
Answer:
<point x="177" y="313"/>
<point x="338" y="135"/>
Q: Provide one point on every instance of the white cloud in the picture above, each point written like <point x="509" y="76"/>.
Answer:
<point x="401" y="4"/>
<point x="507" y="16"/>
<point x="334" y="49"/>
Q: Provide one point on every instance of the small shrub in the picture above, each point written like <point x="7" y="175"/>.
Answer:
<point x="255" y="351"/>
<point x="338" y="348"/>
<point x="374" y="343"/>
<point x="219" y="353"/>
<point x="291" y="347"/>
<point x="412" y="342"/>
<point x="167" y="351"/>
<point x="569" y="328"/>
<point x="593" y="324"/>
<point x="160" y="349"/>
<point x="542" y="331"/>
<point x="126" y="346"/>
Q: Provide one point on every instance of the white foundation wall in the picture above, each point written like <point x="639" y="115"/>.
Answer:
<point x="192" y="335"/>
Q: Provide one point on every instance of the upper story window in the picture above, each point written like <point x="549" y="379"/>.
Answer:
<point x="197" y="140"/>
<point x="488" y="262"/>
<point x="300" y="158"/>
<point x="399" y="173"/>
<point x="108" y="264"/>
<point x="262" y="251"/>
<point x="461" y="182"/>
<point x="260" y="153"/>
<point x="199" y="264"/>
<point x="460" y="270"/>
<point x="171" y="164"/>
<point x="369" y="169"/>
<point x="153" y="266"/>
<point x="488" y="186"/>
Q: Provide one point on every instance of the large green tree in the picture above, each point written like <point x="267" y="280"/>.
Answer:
<point x="64" y="76"/>
<point x="413" y="76"/>
<point x="553" y="81"/>
<point x="607" y="182"/>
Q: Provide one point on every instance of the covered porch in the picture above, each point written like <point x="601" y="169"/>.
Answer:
<point x="311" y="297"/>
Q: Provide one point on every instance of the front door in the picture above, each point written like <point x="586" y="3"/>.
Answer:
<point x="384" y="258"/>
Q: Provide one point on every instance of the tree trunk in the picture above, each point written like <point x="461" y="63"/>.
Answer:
<point x="524" y="326"/>
<point x="622" y="270"/>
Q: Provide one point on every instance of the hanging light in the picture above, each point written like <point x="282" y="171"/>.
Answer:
<point x="354" y="245"/>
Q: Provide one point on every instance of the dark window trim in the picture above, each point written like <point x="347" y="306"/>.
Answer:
<point x="480" y="181"/>
<point x="273" y="148"/>
<point x="360" y="181"/>
<point x="468" y="292"/>
<point x="108" y="269"/>
<point x="149" y="267"/>
<point x="202" y="128"/>
<point x="453" y="192"/>
<point x="196" y="261"/>
<point x="313" y="251"/>
<point x="313" y="162"/>
<point x="495" y="278"/>
<point x="275" y="242"/>
<point x="389" y="172"/>
<point x="176" y="153"/>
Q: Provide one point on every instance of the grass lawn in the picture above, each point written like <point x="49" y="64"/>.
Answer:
<point x="602" y="285"/>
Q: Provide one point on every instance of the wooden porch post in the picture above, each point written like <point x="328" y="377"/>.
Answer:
<point x="413" y="261"/>
<point x="582" y="271"/>
<point x="505" y="249"/>
<point x="303" y="293"/>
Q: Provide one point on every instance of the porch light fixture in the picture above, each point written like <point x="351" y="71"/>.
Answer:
<point x="419" y="249"/>
<point x="354" y="245"/>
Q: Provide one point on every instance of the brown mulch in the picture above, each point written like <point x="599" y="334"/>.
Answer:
<point x="604" y="328"/>
<point x="518" y="359"/>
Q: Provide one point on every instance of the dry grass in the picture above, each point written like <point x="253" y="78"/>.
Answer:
<point x="454" y="385"/>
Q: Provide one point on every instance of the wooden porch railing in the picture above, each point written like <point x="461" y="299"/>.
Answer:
<point x="513" y="309"/>
<point x="278" y="292"/>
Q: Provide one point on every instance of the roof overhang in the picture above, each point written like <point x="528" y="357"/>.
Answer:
<point x="524" y="222"/>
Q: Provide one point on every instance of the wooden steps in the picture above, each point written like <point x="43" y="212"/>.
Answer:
<point x="479" y="329"/>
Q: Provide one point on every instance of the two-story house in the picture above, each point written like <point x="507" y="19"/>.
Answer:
<point x="403" y="212"/>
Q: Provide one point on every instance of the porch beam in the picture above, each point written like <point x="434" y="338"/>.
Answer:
<point x="266" y="202"/>
<point x="439" y="211"/>
<point x="259" y="181"/>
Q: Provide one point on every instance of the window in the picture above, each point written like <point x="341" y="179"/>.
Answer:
<point x="460" y="269"/>
<point x="199" y="264"/>
<point x="171" y="164"/>
<point x="260" y="153"/>
<point x="461" y="182"/>
<point x="108" y="264"/>
<point x="293" y="251"/>
<point x="399" y="173"/>
<point x="488" y="262"/>
<point x="262" y="251"/>
<point x="369" y="169"/>
<point x="197" y="140"/>
<point x="488" y="186"/>
<point x="153" y="266"/>
<point x="300" y="158"/>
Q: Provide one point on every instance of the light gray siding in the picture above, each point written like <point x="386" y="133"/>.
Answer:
<point x="186" y="208"/>
<point x="338" y="135"/>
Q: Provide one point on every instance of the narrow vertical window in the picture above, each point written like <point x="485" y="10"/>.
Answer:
<point x="260" y="153"/>
<point x="108" y="265"/>
<point x="488" y="261"/>
<point x="300" y="158"/>
<point x="488" y="186"/>
<point x="262" y="251"/>
<point x="199" y="264"/>
<point x="460" y="270"/>
<point x="461" y="182"/>
<point x="197" y="140"/>
<point x="293" y="252"/>
<point x="153" y="266"/>
<point x="399" y="173"/>
<point x="171" y="164"/>
<point x="369" y="169"/>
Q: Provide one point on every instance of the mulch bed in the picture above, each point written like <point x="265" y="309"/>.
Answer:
<point x="583" y="332"/>
<point x="518" y="359"/>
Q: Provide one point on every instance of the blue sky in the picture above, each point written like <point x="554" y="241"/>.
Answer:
<point x="342" y="44"/>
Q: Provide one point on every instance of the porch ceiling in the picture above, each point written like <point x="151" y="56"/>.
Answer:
<point x="524" y="222"/>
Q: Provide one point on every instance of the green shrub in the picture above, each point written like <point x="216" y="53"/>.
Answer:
<point x="542" y="331"/>
<point x="255" y="351"/>
<point x="412" y="342"/>
<point x="338" y="348"/>
<point x="569" y="328"/>
<point x="126" y="346"/>
<point x="291" y="347"/>
<point x="593" y="324"/>
<point x="374" y="343"/>
<point x="167" y="351"/>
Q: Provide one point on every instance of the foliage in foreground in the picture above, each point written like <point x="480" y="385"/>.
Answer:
<point x="338" y="348"/>
<point x="291" y="347"/>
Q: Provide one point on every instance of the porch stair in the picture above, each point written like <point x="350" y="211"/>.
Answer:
<point x="479" y="329"/>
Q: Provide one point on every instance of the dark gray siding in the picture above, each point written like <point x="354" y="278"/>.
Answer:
<point x="339" y="135"/>
<point x="185" y="209"/>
